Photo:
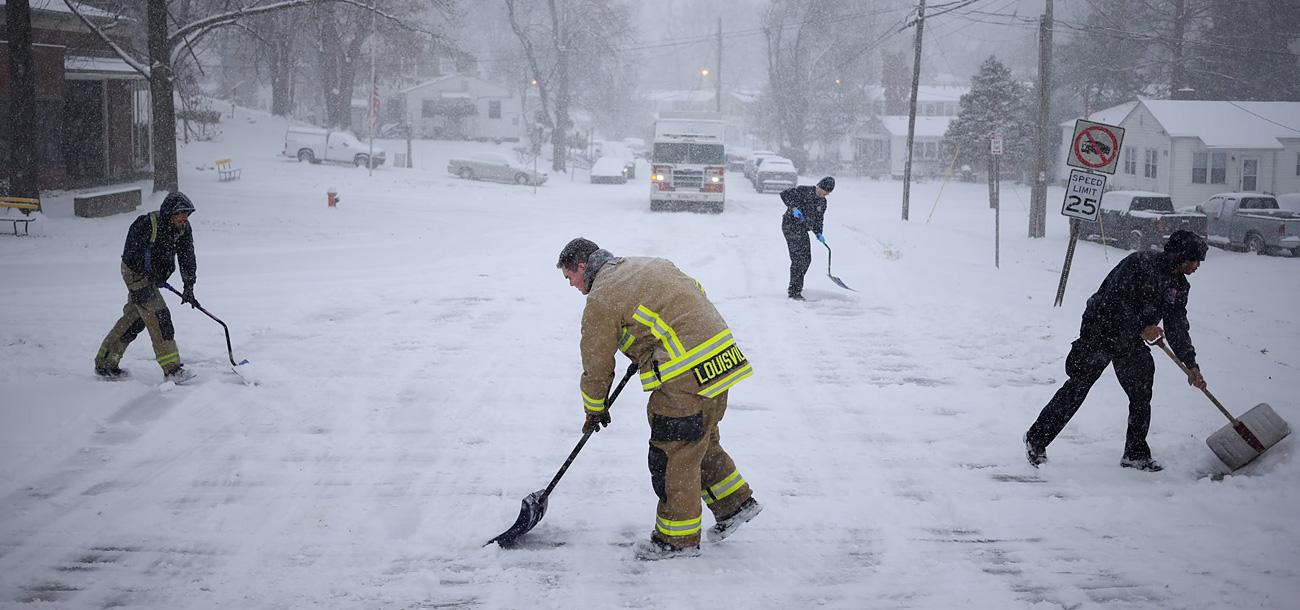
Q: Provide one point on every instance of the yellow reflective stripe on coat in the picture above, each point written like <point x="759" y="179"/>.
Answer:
<point x="625" y="340"/>
<point x="592" y="405"/>
<point x="724" y="488"/>
<point x="731" y="367"/>
<point x="744" y="371"/>
<point x="661" y="330"/>
<point x="685" y="527"/>
<point x="166" y="359"/>
<point x="153" y="227"/>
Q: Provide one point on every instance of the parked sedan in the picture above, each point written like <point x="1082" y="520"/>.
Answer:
<point x="775" y="174"/>
<point x="494" y="166"/>
<point x="609" y="170"/>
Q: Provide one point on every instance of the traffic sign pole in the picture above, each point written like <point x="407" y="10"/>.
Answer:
<point x="1093" y="148"/>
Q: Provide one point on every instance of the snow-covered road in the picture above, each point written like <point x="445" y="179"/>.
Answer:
<point x="417" y="353"/>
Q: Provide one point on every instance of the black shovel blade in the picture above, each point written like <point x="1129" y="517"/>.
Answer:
<point x="530" y="513"/>
<point x="839" y="282"/>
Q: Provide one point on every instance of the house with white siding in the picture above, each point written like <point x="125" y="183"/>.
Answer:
<point x="462" y="107"/>
<point x="1193" y="149"/>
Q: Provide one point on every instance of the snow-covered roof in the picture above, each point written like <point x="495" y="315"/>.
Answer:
<point x="680" y="95"/>
<point x="496" y="88"/>
<point x="1228" y="124"/>
<point x="926" y="126"/>
<point x="58" y="6"/>
<point x="1218" y="124"/>
<point x="925" y="93"/>
<point x="1110" y="116"/>
<point x="98" y="67"/>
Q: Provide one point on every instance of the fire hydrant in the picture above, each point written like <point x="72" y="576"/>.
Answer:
<point x="332" y="197"/>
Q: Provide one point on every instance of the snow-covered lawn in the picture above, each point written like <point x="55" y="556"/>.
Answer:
<point x="417" y="352"/>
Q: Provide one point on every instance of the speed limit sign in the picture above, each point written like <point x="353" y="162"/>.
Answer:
<point x="1083" y="195"/>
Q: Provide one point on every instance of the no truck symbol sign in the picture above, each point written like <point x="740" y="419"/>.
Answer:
<point x="1095" y="146"/>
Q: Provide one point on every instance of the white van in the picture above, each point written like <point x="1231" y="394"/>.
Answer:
<point x="315" y="145"/>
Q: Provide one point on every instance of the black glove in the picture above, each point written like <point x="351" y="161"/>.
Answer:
<point x="188" y="296"/>
<point x="595" y="421"/>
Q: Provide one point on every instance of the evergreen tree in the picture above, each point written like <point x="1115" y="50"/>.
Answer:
<point x="996" y="102"/>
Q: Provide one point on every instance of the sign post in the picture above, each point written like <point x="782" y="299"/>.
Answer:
<point x="995" y="150"/>
<point x="1093" y="148"/>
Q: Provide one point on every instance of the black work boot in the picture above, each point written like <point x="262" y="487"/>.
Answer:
<point x="1035" y="455"/>
<point x="1144" y="464"/>
<point x="110" y="371"/>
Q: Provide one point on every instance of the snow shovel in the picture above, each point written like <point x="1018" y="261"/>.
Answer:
<point x="229" y="350"/>
<point x="1244" y="438"/>
<point x="838" y="281"/>
<point x="534" y="505"/>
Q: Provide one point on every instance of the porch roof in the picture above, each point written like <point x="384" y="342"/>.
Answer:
<point x="81" y="67"/>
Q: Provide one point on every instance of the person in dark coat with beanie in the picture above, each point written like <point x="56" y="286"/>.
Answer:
<point x="805" y="208"/>
<point x="1118" y="324"/>
<point x="154" y="244"/>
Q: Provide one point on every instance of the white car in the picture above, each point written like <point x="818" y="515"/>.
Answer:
<point x="775" y="173"/>
<point x="494" y="166"/>
<point x="315" y="145"/>
<point x="609" y="170"/>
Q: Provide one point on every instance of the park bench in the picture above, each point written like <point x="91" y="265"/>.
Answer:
<point x="26" y="205"/>
<point x="225" y="172"/>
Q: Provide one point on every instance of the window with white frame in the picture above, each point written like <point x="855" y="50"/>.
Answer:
<point x="1130" y="161"/>
<point x="1218" y="167"/>
<point x="1152" y="163"/>
<point x="494" y="109"/>
<point x="1297" y="164"/>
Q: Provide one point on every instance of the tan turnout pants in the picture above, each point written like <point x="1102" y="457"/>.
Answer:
<point x="144" y="309"/>
<point x="688" y="464"/>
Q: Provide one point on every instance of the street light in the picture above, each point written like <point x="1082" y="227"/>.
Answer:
<point x="704" y="71"/>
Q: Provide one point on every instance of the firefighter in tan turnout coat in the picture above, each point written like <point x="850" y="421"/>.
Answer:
<point x="661" y="319"/>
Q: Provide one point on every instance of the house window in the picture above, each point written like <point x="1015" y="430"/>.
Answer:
<point x="428" y="108"/>
<point x="1218" y="168"/>
<point x="1297" y="164"/>
<point x="494" y="110"/>
<point x="1130" y="161"/>
<point x="1152" y="163"/>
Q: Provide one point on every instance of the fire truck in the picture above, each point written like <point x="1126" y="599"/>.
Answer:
<point x="688" y="162"/>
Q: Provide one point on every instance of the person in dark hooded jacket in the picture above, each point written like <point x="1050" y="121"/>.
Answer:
<point x="805" y="210"/>
<point x="154" y="244"/>
<point x="1120" y="320"/>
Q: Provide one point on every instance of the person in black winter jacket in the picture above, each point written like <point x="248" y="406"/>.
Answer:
<point x="1120" y="320"/>
<point x="805" y="208"/>
<point x="154" y="243"/>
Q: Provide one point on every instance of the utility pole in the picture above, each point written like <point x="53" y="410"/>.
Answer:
<point x="1038" y="194"/>
<point x="911" y="111"/>
<point x="717" y="72"/>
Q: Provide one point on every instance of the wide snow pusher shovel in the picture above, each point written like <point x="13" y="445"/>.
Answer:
<point x="1245" y="437"/>
<point x="534" y="505"/>
<point x="838" y="281"/>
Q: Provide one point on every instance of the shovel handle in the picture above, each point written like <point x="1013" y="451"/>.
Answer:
<point x="1222" y="409"/>
<point x="631" y="370"/>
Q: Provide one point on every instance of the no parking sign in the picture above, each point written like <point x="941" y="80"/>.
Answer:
<point x="1095" y="146"/>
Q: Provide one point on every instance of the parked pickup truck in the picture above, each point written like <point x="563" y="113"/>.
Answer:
<point x="1251" y="221"/>
<point x="1138" y="220"/>
<point x="315" y="145"/>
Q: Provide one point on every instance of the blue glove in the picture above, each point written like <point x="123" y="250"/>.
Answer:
<point x="821" y="238"/>
<point x="796" y="213"/>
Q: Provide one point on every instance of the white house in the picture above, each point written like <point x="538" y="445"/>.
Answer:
<point x="1194" y="149"/>
<point x="881" y="147"/>
<point x="458" y="106"/>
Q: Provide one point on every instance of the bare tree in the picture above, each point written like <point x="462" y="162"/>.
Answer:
<point x="565" y="42"/>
